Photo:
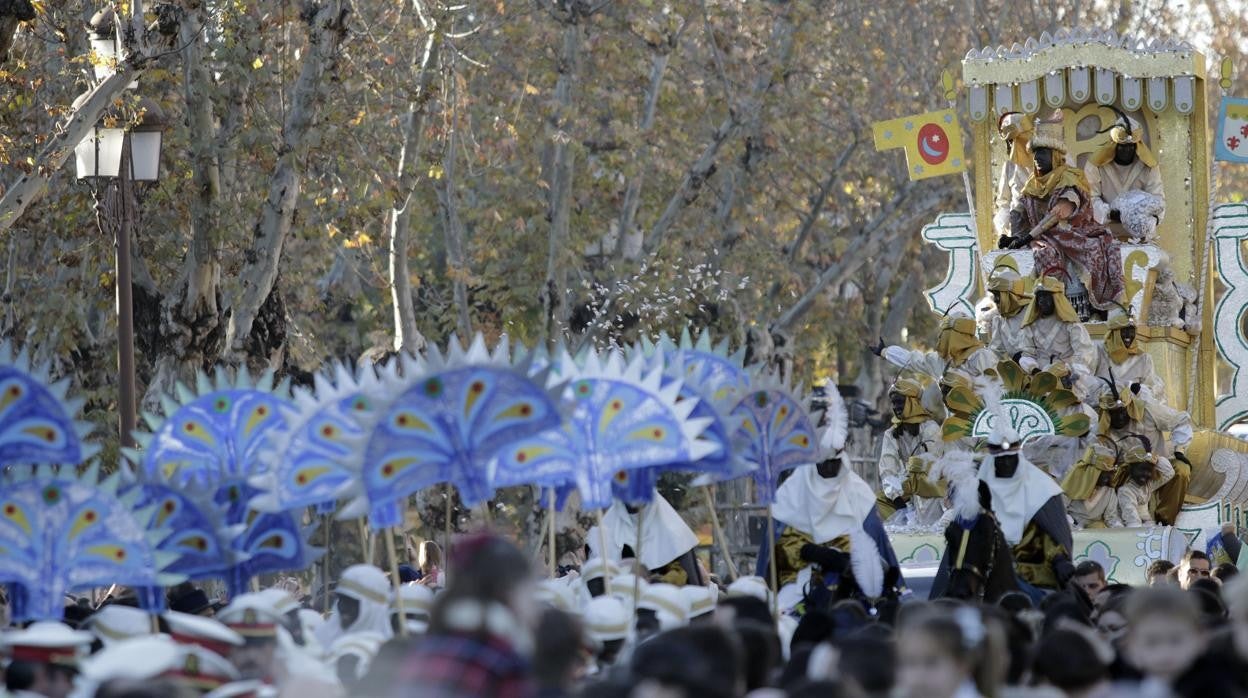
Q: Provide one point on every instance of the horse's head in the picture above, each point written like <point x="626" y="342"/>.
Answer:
<point x="974" y="555"/>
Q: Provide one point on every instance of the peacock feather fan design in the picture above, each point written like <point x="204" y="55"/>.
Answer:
<point x="718" y="379"/>
<point x="777" y="432"/>
<point x="60" y="533"/>
<point x="37" y="420"/>
<point x="453" y="412"/>
<point x="310" y="463"/>
<point x="1035" y="404"/>
<point x="265" y="542"/>
<point x="619" y="418"/>
<point x="195" y="531"/>
<point x="215" y="433"/>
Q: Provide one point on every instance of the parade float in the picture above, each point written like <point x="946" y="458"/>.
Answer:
<point x="1186" y="283"/>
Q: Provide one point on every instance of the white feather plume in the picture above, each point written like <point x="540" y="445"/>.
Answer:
<point x="836" y="430"/>
<point x="992" y="393"/>
<point x="865" y="560"/>
<point x="958" y="468"/>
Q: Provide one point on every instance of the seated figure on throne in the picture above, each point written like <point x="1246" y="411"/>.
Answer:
<point x="1015" y="129"/>
<point x="1054" y="218"/>
<point x="1125" y="182"/>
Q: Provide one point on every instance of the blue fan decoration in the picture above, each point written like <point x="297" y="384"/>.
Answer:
<point x="60" y="533"/>
<point x="37" y="424"/>
<point x="214" y="434"/>
<point x="619" y="418"/>
<point x="311" y="463"/>
<point x="777" y="433"/>
<point x="265" y="542"/>
<point x="447" y="425"/>
<point x="195" y="532"/>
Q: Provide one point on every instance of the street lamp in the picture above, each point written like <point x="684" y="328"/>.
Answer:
<point x="108" y="154"/>
<point x="106" y="44"/>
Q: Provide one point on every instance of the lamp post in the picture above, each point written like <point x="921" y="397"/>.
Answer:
<point x="123" y="158"/>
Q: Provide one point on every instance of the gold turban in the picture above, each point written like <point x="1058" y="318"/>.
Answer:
<point x="957" y="339"/>
<point x="1133" y="132"/>
<point x="1114" y="346"/>
<point x="1080" y="481"/>
<point x="1011" y="293"/>
<point x="913" y="412"/>
<point x="1135" y="408"/>
<point x="1063" y="309"/>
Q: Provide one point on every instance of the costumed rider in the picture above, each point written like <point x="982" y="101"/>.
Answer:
<point x="1004" y="318"/>
<point x="976" y="564"/>
<point x="1090" y="486"/>
<point x="667" y="542"/>
<point x="1146" y="474"/>
<point x="1052" y="334"/>
<point x="1123" y="413"/>
<point x="831" y="541"/>
<point x="1015" y="130"/>
<point x="1120" y="353"/>
<point x="957" y="347"/>
<point x="1029" y="507"/>
<point x="361" y="604"/>
<point x="906" y="453"/>
<point x="1054" y="218"/>
<point x="1125" y="181"/>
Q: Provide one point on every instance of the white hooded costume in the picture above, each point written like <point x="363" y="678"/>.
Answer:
<point x="665" y="536"/>
<point x="370" y="587"/>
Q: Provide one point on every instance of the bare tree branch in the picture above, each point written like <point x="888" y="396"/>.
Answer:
<point x="327" y="27"/>
<point x="821" y="198"/>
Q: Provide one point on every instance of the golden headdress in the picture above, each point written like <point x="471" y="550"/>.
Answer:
<point x="1063" y="309"/>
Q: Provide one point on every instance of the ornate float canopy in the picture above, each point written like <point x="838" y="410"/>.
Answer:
<point x="1073" y="66"/>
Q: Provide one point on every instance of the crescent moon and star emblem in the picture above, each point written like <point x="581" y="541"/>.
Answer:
<point x="933" y="144"/>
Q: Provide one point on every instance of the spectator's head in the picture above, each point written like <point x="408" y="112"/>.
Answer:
<point x="1071" y="662"/>
<point x="559" y="655"/>
<point x="1111" y="619"/>
<point x="1209" y="595"/>
<point x="735" y="608"/>
<point x="1090" y="576"/>
<point x="1195" y="565"/>
<point x="870" y="661"/>
<point x="702" y="660"/>
<point x="760" y="644"/>
<point x="1225" y="572"/>
<point x="1164" y="632"/>
<point x="938" y="651"/>
<point x="1015" y="602"/>
<point x="1236" y="595"/>
<point x="1158" y="571"/>
<point x="489" y="573"/>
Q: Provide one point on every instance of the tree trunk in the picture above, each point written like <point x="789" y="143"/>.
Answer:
<point x="327" y="27"/>
<point x="406" y="335"/>
<point x="452" y="228"/>
<point x="554" y="290"/>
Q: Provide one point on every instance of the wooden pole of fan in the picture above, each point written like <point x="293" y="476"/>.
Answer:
<point x="771" y="548"/>
<point x="394" y="578"/>
<point x="553" y="558"/>
<point x="719" y="531"/>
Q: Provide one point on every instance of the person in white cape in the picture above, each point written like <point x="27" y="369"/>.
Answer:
<point x="666" y="545"/>
<point x="1029" y="508"/>
<point x="362" y="605"/>
<point x="831" y="529"/>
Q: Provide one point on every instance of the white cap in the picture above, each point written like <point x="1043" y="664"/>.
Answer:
<point x="622" y="588"/>
<point x="417" y="604"/>
<point x="750" y="586"/>
<point x="281" y="600"/>
<point x="557" y="593"/>
<point x="701" y="599"/>
<point x="668" y="604"/>
<point x="115" y="622"/>
<point x="210" y="633"/>
<point x="595" y="566"/>
<point x="607" y="619"/>
<point x="46" y="642"/>
<point x="365" y="583"/>
<point x="251" y="615"/>
<point x="134" y="658"/>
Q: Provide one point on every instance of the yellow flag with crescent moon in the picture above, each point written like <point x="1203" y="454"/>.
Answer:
<point x="933" y="142"/>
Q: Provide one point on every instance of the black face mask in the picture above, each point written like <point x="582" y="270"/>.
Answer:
<point x="596" y="587"/>
<point x="1128" y="336"/>
<point x="1140" y="473"/>
<point x="1124" y="154"/>
<point x="1118" y="418"/>
<point x="829" y="468"/>
<point x="996" y="297"/>
<point x="632" y="508"/>
<point x="897" y="403"/>
<point x="348" y="610"/>
<point x="1104" y="479"/>
<point x="1043" y="158"/>
<point x="1005" y="465"/>
<point x="1045" y="304"/>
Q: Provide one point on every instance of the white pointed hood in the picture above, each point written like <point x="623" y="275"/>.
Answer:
<point x="665" y="536"/>
<point x="823" y="508"/>
<point x="1016" y="499"/>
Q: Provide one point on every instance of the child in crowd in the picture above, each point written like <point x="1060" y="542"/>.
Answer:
<point x="939" y="652"/>
<point x="1164" y="635"/>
